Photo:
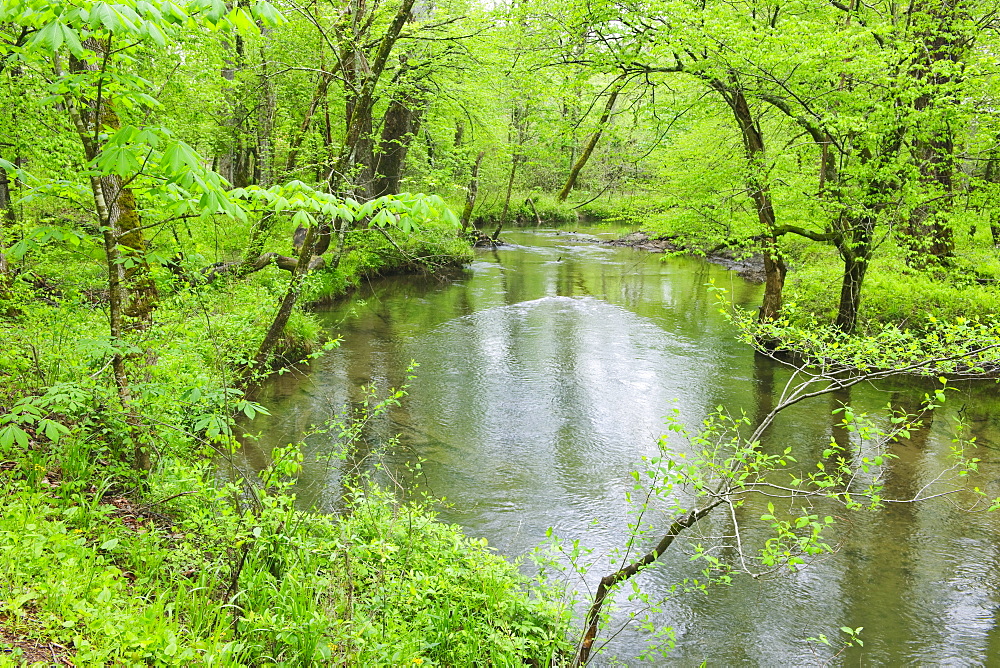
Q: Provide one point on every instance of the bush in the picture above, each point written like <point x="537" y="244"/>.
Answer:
<point x="218" y="584"/>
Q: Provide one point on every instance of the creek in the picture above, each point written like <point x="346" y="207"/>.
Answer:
<point x="545" y="372"/>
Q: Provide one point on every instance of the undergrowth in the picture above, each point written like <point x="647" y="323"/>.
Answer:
<point x="197" y="570"/>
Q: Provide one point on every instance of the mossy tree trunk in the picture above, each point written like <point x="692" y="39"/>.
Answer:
<point x="937" y="26"/>
<point x="400" y="124"/>
<point x="354" y="172"/>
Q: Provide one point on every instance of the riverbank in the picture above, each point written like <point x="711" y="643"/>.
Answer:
<point x="969" y="288"/>
<point x="948" y="316"/>
<point x="102" y="564"/>
<point x="748" y="266"/>
<point x="93" y="577"/>
<point x="545" y="374"/>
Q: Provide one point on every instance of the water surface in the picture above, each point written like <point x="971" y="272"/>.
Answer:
<point x="545" y="373"/>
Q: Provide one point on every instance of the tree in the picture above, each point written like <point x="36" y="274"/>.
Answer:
<point x="354" y="170"/>
<point x="141" y="177"/>
<point x="117" y="156"/>
<point x="941" y="36"/>
<point x="613" y="91"/>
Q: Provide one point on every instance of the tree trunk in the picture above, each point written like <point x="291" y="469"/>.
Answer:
<point x="132" y="293"/>
<point x="8" y="215"/>
<point x="938" y="33"/>
<point x="234" y="161"/>
<point x="115" y="203"/>
<point x="6" y="201"/>
<point x="531" y="204"/>
<point x="264" y="164"/>
<point x="855" y="250"/>
<point x="318" y="96"/>
<point x="255" y="246"/>
<point x="400" y="124"/>
<point x="774" y="280"/>
<point x="258" y="368"/>
<point x="760" y="193"/>
<point x="850" y="293"/>
<point x="506" y="201"/>
<point x="470" y="198"/>
<point x="353" y="173"/>
<point x="341" y="239"/>
<point x="7" y="218"/>
<point x="123" y="218"/>
<point x="592" y="142"/>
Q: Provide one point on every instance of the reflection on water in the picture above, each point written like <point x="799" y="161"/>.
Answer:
<point x="544" y="375"/>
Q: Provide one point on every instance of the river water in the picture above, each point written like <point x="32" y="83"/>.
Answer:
<point x="545" y="372"/>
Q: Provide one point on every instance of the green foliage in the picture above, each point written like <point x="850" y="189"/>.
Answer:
<point x="944" y="294"/>
<point x="370" y="253"/>
<point x="443" y="598"/>
<point x="521" y="213"/>
<point x="233" y="574"/>
<point x="929" y="346"/>
<point x="242" y="576"/>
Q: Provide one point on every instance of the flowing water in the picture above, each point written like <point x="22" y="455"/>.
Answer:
<point x="545" y="373"/>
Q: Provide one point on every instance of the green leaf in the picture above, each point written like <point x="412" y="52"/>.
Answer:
<point x="13" y="434"/>
<point x="243" y="21"/>
<point x="120" y="160"/>
<point x="148" y="137"/>
<point x="72" y="41"/>
<point x="101" y="15"/>
<point x="450" y="218"/>
<point x="303" y="218"/>
<point x="266" y="12"/>
<point x="53" y="430"/>
<point x="383" y="219"/>
<point x="22" y="248"/>
<point x="50" y="37"/>
<point x="178" y="158"/>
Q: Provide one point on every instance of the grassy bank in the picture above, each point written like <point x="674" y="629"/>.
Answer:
<point x="101" y="564"/>
<point x="96" y="577"/>
<point x="894" y="293"/>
